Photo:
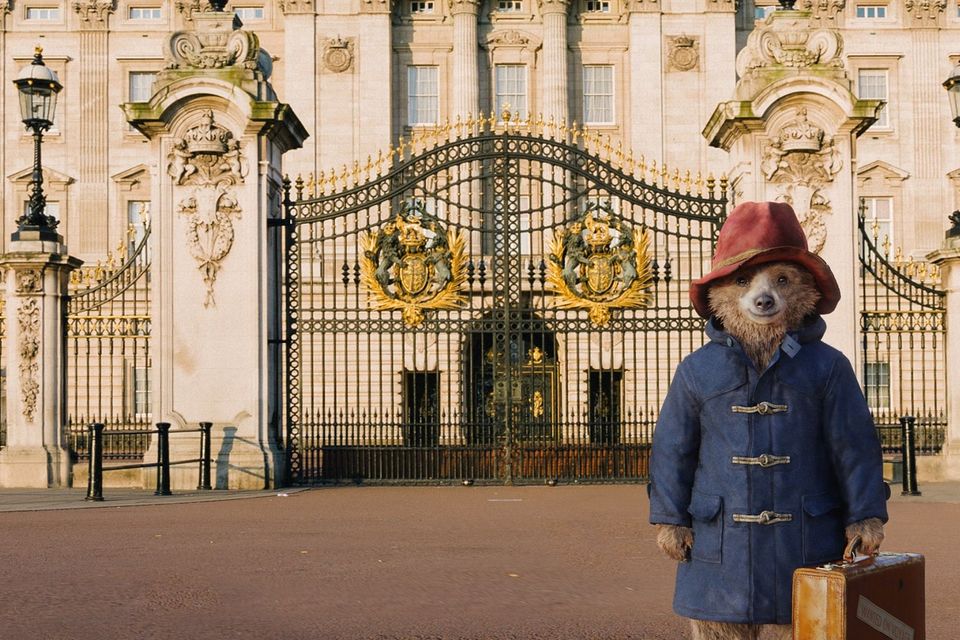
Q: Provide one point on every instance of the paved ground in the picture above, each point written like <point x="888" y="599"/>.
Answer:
<point x="374" y="562"/>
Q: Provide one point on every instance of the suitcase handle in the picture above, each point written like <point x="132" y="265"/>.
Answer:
<point x="851" y="551"/>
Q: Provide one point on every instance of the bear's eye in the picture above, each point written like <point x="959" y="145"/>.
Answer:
<point x="782" y="280"/>
<point x="742" y="281"/>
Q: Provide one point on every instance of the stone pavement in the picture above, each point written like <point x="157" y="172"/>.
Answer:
<point x="423" y="563"/>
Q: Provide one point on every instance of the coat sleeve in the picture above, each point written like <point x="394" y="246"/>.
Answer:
<point x="854" y="446"/>
<point x="676" y="447"/>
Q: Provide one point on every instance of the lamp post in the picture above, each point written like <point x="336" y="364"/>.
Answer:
<point x="952" y="84"/>
<point x="38" y="86"/>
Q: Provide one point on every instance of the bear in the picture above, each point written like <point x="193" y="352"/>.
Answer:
<point x="765" y="457"/>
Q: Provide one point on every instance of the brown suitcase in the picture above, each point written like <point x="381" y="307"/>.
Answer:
<point x="874" y="598"/>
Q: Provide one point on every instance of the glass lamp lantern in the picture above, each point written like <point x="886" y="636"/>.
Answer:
<point x="952" y="84"/>
<point x="38" y="86"/>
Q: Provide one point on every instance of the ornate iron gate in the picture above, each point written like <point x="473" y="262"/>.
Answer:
<point x="503" y="302"/>
<point x="903" y="320"/>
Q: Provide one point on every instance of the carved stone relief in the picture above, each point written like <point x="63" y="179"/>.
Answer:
<point x="790" y="42"/>
<point x="28" y="344"/>
<point x="187" y="8"/>
<point x="639" y="6"/>
<point x="925" y="12"/>
<point x="93" y="12"/>
<point x="213" y="49"/>
<point x="209" y="160"/>
<point x="374" y="6"/>
<point x="683" y="53"/>
<point x="297" y="6"/>
<point x="28" y="281"/>
<point x="801" y="161"/>
<point x="823" y="10"/>
<point x="338" y="54"/>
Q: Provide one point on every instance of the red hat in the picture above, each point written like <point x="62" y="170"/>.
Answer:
<point x="760" y="232"/>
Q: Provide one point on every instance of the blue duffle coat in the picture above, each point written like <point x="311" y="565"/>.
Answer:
<point x="795" y="441"/>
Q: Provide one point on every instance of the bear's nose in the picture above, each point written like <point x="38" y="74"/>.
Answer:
<point x="764" y="302"/>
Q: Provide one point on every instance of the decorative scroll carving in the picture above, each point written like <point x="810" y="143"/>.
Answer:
<point x="790" y="42"/>
<point x="297" y="6"/>
<point x="28" y="343"/>
<point x="925" y="12"/>
<point x="553" y="6"/>
<point x="209" y="159"/>
<point x="824" y="10"/>
<point x="511" y="38"/>
<point x="93" y="12"/>
<point x="338" y="54"/>
<point x="212" y="49"/>
<point x="187" y="8"/>
<point x="28" y="280"/>
<point x="463" y="6"/>
<point x="683" y="53"/>
<point x="802" y="161"/>
<point x="599" y="263"/>
<point x="413" y="263"/>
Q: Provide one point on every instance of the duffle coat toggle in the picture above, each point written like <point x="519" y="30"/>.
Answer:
<point x="764" y="517"/>
<point x="764" y="460"/>
<point x="762" y="408"/>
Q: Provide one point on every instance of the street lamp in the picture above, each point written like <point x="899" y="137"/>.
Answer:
<point x="38" y="86"/>
<point x="952" y="85"/>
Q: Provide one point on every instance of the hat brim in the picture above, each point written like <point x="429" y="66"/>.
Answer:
<point x="820" y="270"/>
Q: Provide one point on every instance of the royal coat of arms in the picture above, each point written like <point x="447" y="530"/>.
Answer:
<point x="598" y="262"/>
<point x="413" y="263"/>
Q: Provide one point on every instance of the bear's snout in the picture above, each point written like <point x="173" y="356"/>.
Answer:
<point x="764" y="302"/>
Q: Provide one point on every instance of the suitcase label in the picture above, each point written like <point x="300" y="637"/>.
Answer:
<point x="882" y="621"/>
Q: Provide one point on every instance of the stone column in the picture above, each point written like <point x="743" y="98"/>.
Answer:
<point x="218" y="136"/>
<point x="556" y="102"/>
<point x="300" y="75"/>
<point x="466" y="78"/>
<point x="791" y="132"/>
<point x="92" y="185"/>
<point x="948" y="259"/>
<point x="36" y="275"/>
<point x="646" y="79"/>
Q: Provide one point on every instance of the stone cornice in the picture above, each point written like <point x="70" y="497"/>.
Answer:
<point x="553" y="6"/>
<point x="290" y="7"/>
<point x="93" y="13"/>
<point x="463" y="6"/>
<point x="925" y="13"/>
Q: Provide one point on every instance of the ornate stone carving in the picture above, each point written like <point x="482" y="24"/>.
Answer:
<point x="28" y="281"/>
<point x="374" y="6"/>
<point x="209" y="159"/>
<point x="93" y="12"/>
<point x="683" y="53"/>
<point x="553" y="6"/>
<point x="824" y="10"/>
<point x="801" y="161"/>
<point x="790" y="42"/>
<point x="510" y="38"/>
<point x="463" y="6"/>
<point x="28" y="344"/>
<point x="216" y="48"/>
<point x="187" y="8"/>
<point x="925" y="12"/>
<point x="209" y="213"/>
<point x="297" y="6"/>
<point x="338" y="54"/>
<point x="642" y="6"/>
<point x="722" y="5"/>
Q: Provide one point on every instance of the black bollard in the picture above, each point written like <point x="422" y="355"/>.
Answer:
<point x="205" y="456"/>
<point x="908" y="454"/>
<point x="163" y="459"/>
<point x="95" y="470"/>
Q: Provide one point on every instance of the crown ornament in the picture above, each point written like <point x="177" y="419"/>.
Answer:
<point x="207" y="136"/>
<point x="801" y="135"/>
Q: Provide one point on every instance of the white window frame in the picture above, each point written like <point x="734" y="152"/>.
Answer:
<point x="876" y="385"/>
<point x="251" y="9"/>
<point x="518" y="98"/>
<point x="427" y="103"/>
<point x="596" y="6"/>
<point x="883" y="117"/>
<point x="136" y="74"/>
<point x="138" y="215"/>
<point x="54" y="13"/>
<point x="421" y="7"/>
<point x="863" y="11"/>
<point x="509" y="6"/>
<point x="155" y="10"/>
<point x="885" y="223"/>
<point x="588" y="117"/>
<point x="142" y="378"/>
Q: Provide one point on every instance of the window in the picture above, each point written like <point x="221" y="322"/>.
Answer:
<point x="52" y="208"/>
<point x="877" y="385"/>
<point x="141" y="391"/>
<point x="598" y="94"/>
<point x="423" y="95"/>
<point x="761" y="13"/>
<point x="421" y="409"/>
<point x="138" y="214"/>
<point x="604" y="393"/>
<point x="878" y="215"/>
<point x="421" y="6"/>
<point x="510" y="81"/>
<point x="872" y="84"/>
<point x="145" y="13"/>
<point x="140" y="85"/>
<point x="248" y="13"/>
<point x="598" y="6"/>
<point x="509" y="6"/>
<point x="48" y="14"/>
<point x="871" y="11"/>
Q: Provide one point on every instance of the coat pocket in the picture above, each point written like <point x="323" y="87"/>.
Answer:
<point x="823" y="537"/>
<point x="707" y="513"/>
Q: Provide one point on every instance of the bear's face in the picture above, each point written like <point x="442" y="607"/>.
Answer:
<point x="758" y="305"/>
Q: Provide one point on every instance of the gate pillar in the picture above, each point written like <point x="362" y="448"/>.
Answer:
<point x="37" y="273"/>
<point x="791" y="132"/>
<point x="218" y="134"/>
<point x="948" y="259"/>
